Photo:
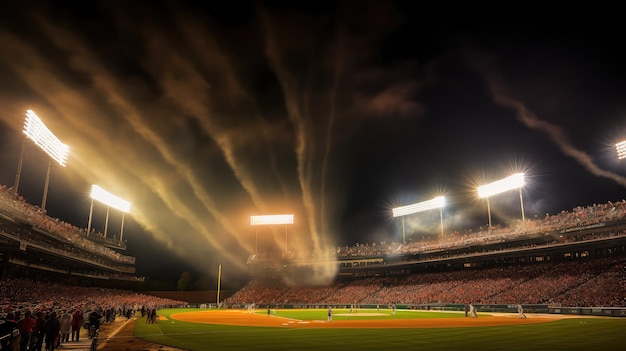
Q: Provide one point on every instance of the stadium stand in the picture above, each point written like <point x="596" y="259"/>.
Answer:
<point x="32" y="243"/>
<point x="573" y="258"/>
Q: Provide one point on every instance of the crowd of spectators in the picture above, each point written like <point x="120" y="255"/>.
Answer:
<point x="591" y="282"/>
<point x="565" y="221"/>
<point x="19" y="297"/>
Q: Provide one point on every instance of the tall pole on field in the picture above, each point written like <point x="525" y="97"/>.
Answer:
<point x="219" y="283"/>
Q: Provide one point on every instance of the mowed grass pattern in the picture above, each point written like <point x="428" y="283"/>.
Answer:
<point x="569" y="334"/>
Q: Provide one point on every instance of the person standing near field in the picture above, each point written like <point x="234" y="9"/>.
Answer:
<point x="330" y="314"/>
<point x="473" y="311"/>
<point x="520" y="311"/>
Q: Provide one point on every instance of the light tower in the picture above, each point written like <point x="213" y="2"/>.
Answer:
<point x="270" y="220"/>
<point x="499" y="186"/>
<point x="438" y="202"/>
<point x="36" y="130"/>
<point x="99" y="194"/>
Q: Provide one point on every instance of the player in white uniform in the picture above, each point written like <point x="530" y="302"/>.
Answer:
<point x="473" y="311"/>
<point x="520" y="311"/>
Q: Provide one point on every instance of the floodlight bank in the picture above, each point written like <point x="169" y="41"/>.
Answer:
<point x="271" y="219"/>
<point x="99" y="194"/>
<point x="437" y="202"/>
<point x="509" y="183"/>
<point x="621" y="150"/>
<point x="37" y="131"/>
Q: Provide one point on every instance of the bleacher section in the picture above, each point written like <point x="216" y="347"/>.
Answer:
<point x="33" y="243"/>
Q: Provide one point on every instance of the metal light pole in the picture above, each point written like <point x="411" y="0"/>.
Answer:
<point x="438" y="202"/>
<point x="441" y="218"/>
<point x="19" y="167"/>
<point x="271" y="220"/>
<point x="489" y="212"/>
<point x="403" y="235"/>
<point x="97" y="193"/>
<point x="509" y="183"/>
<point x="106" y="222"/>
<point x="90" y="216"/>
<point x="45" y="187"/>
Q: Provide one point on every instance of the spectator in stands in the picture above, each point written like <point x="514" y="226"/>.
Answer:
<point x="26" y="327"/>
<point x="6" y="329"/>
<point x="66" y="327"/>
<point x="40" y="330"/>
<point x="17" y="339"/>
<point x="53" y="328"/>
<point x="94" y="321"/>
<point x="77" y="323"/>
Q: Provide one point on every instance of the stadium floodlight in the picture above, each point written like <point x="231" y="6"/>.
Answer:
<point x="621" y="150"/>
<point x="515" y="181"/>
<point x="36" y="130"/>
<point x="438" y="202"/>
<point x="101" y="195"/>
<point x="270" y="220"/>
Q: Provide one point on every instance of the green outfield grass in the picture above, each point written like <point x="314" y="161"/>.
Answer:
<point x="570" y="334"/>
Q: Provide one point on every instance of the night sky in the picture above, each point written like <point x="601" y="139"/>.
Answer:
<point x="202" y="116"/>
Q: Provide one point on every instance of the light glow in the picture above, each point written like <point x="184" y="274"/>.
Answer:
<point x="37" y="131"/>
<point x="437" y="202"/>
<point x="509" y="183"/>
<point x="99" y="194"/>
<point x="271" y="219"/>
<point x="621" y="150"/>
